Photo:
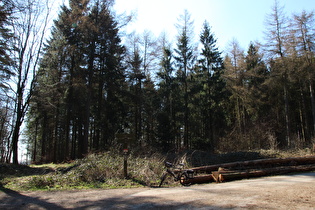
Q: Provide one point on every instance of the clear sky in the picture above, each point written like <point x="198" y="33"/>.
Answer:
<point x="240" y="19"/>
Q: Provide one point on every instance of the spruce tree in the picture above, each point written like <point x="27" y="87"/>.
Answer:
<point x="212" y="87"/>
<point x="166" y="117"/>
<point x="185" y="61"/>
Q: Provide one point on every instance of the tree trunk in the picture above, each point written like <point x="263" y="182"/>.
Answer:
<point x="287" y="118"/>
<point x="44" y="139"/>
<point x="312" y="102"/>
<point x="17" y="127"/>
<point x="35" y="141"/>
<point x="186" y="123"/>
<point x="15" y="139"/>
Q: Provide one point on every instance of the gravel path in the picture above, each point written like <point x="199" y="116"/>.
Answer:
<point x="277" y="192"/>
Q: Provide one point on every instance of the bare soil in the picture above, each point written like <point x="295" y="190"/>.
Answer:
<point x="276" y="192"/>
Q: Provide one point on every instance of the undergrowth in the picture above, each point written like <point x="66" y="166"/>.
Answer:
<point x="105" y="170"/>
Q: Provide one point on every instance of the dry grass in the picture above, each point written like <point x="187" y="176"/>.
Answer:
<point x="105" y="170"/>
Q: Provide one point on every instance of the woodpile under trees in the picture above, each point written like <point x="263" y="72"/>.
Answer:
<point x="255" y="168"/>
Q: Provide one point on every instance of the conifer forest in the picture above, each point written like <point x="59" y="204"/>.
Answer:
<point x="71" y="88"/>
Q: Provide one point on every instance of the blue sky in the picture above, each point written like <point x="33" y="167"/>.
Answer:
<point x="240" y="19"/>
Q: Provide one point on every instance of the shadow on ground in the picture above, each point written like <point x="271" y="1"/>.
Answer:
<point x="15" y="200"/>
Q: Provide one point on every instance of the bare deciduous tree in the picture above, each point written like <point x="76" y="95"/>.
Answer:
<point x="29" y="28"/>
<point x="276" y="40"/>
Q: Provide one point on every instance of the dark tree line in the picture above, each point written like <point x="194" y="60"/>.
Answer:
<point x="91" y="85"/>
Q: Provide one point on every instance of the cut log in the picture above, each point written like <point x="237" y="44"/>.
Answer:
<point x="254" y="168"/>
<point x="218" y="175"/>
<point x="262" y="163"/>
<point x="199" y="179"/>
<point x="228" y="175"/>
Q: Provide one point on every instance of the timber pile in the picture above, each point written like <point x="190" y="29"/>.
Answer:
<point x="254" y="168"/>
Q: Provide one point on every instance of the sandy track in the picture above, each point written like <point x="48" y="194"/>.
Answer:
<point x="278" y="192"/>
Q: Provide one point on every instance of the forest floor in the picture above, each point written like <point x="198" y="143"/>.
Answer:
<point x="274" y="192"/>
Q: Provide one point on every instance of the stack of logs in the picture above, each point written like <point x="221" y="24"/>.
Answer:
<point x="254" y="168"/>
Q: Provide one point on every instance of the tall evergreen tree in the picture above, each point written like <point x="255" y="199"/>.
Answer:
<point x="185" y="60"/>
<point x="111" y="76"/>
<point x="255" y="76"/>
<point x="256" y="105"/>
<point x="137" y="75"/>
<point x="166" y="127"/>
<point x="48" y="103"/>
<point x="212" y="87"/>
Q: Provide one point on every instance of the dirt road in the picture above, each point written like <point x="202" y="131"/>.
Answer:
<point x="278" y="192"/>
